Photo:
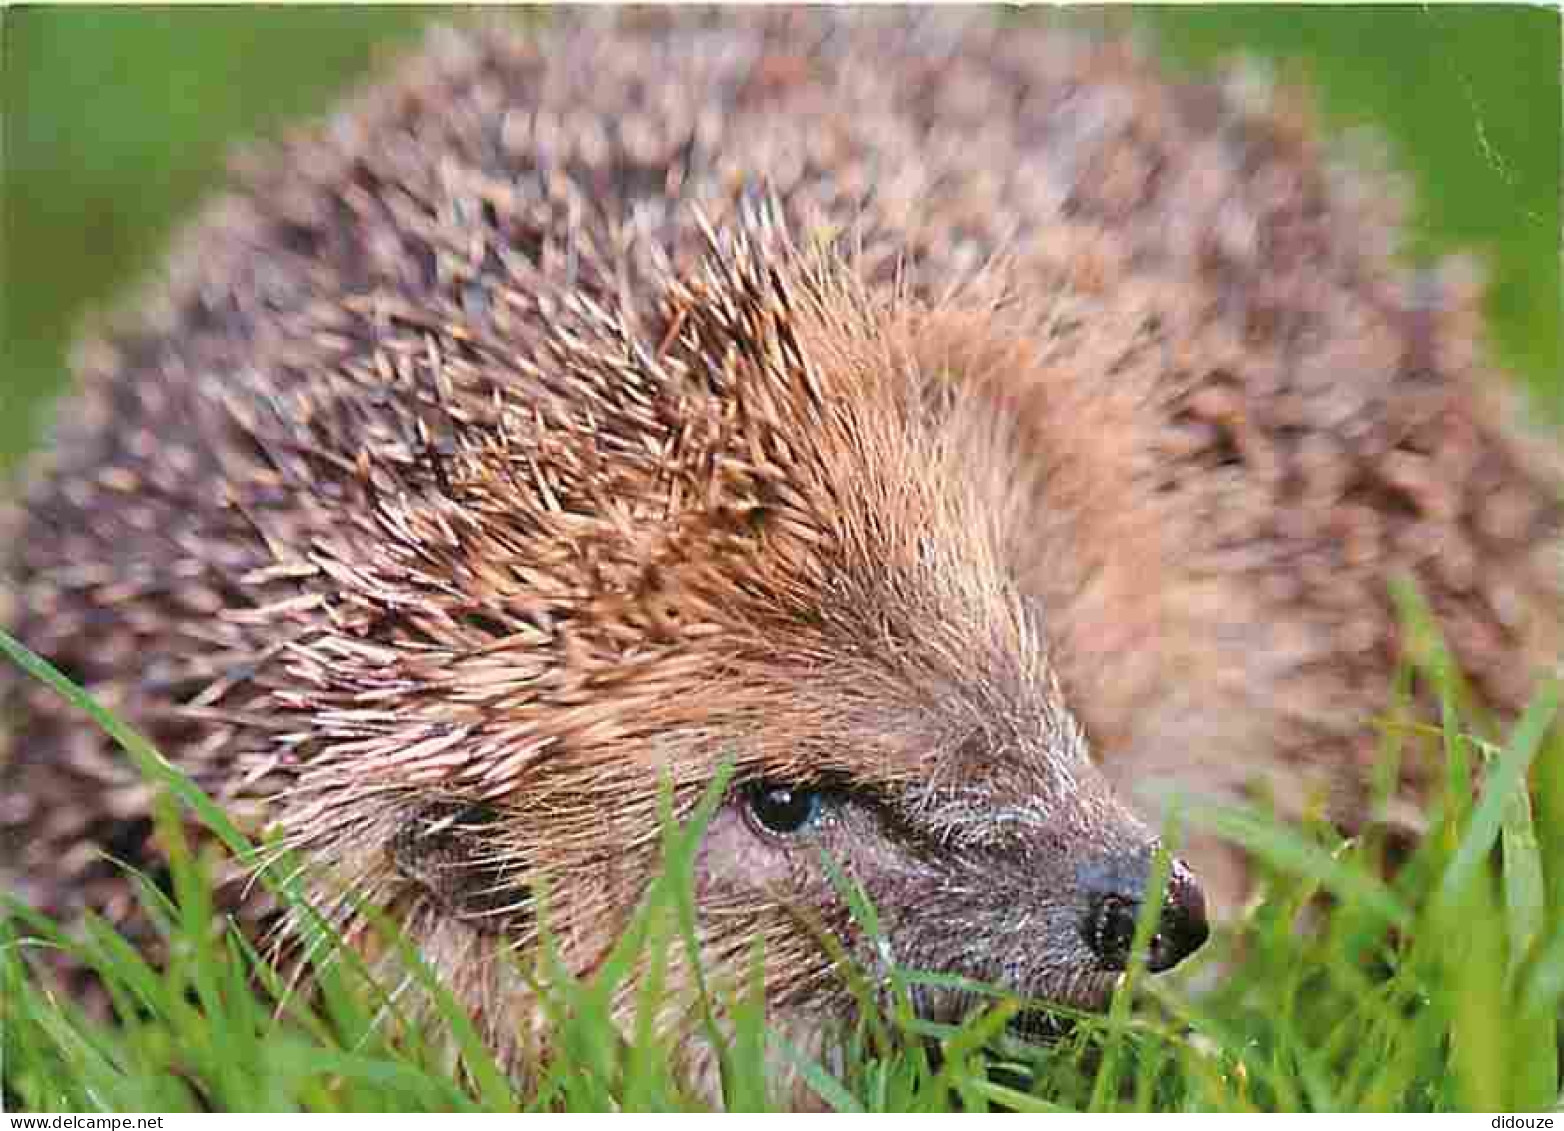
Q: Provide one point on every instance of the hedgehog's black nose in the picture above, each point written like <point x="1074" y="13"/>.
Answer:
<point x="1114" y="897"/>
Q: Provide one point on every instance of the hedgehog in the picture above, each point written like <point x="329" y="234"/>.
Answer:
<point x="953" y="432"/>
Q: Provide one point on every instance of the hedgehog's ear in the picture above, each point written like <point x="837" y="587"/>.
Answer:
<point x="448" y="848"/>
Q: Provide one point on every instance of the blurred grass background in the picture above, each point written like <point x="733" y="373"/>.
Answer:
<point x="117" y="121"/>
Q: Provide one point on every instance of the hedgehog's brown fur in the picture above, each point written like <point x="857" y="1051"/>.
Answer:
<point x="465" y="480"/>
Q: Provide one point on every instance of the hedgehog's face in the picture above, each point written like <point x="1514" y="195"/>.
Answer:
<point x="906" y="723"/>
<point x="831" y="599"/>
<point x="1029" y="878"/>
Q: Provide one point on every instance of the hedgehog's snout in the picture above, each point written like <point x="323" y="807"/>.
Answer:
<point x="1115" y="894"/>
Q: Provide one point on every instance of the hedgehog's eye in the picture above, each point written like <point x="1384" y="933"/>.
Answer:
<point x="784" y="809"/>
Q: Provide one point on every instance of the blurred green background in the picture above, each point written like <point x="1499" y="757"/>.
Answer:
<point x="117" y="121"/>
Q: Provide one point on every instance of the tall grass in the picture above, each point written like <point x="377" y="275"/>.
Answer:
<point x="1439" y="988"/>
